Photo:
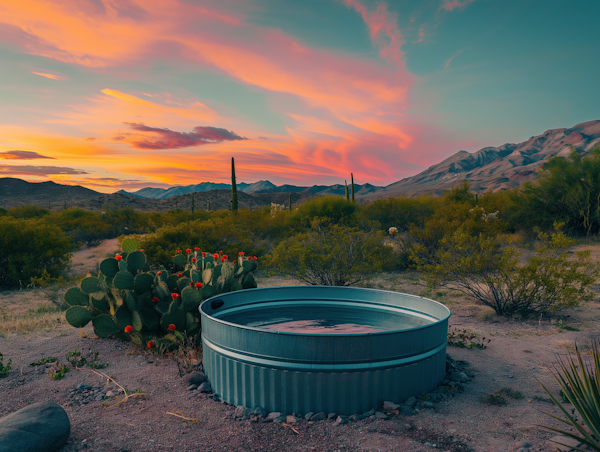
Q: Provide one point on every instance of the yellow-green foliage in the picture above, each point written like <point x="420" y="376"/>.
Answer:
<point x="329" y="209"/>
<point x="402" y="213"/>
<point x="489" y="271"/>
<point x="230" y="234"/>
<point x="27" y="248"/>
<point x="332" y="256"/>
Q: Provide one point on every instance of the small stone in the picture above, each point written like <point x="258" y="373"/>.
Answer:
<point x="371" y="412"/>
<point x="318" y="417"/>
<point x="205" y="387"/>
<point x="435" y="397"/>
<point x="242" y="411"/>
<point x="279" y="420"/>
<point x="380" y="415"/>
<point x="309" y="415"/>
<point x="260" y="412"/>
<point x="340" y="420"/>
<point x="427" y="405"/>
<point x="331" y="416"/>
<point x="291" y="419"/>
<point x="520" y="444"/>
<point x="407" y="411"/>
<point x="274" y="415"/>
<point x="195" y="378"/>
<point x="192" y="387"/>
<point x="390" y="406"/>
<point x="245" y="418"/>
<point x="411" y="401"/>
<point x="356" y="417"/>
<point x="82" y="387"/>
<point x="110" y="394"/>
<point x="98" y="398"/>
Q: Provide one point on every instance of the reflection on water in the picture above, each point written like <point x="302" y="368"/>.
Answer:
<point x="321" y="327"/>
<point x="323" y="320"/>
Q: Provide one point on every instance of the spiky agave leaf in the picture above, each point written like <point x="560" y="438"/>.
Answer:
<point x="582" y="389"/>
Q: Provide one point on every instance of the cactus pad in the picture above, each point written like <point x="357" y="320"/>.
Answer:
<point x="183" y="283"/>
<point x="75" y="297"/>
<point x="209" y="291"/>
<point x="109" y="267"/>
<point x="136" y="321"/>
<point x="100" y="301"/>
<point x="130" y="245"/>
<point x="123" y="316"/>
<point x="248" y="281"/>
<point x="176" y="317"/>
<point x="143" y="283"/>
<point x="172" y="282"/>
<point x="104" y="326"/>
<point x="180" y="259"/>
<point x="78" y="316"/>
<point x="236" y="285"/>
<point x="136" y="262"/>
<point x="190" y="297"/>
<point x="191" y="326"/>
<point x="123" y="280"/>
<point x="90" y="285"/>
<point x="207" y="276"/>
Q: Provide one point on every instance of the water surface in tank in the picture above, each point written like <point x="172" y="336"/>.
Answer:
<point x="319" y="319"/>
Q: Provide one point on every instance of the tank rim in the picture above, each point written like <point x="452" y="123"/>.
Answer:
<point x="288" y="333"/>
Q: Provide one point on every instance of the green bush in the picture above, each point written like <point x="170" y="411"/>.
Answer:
<point x="567" y="191"/>
<point x="333" y="256"/>
<point x="481" y="268"/>
<point x="230" y="234"/>
<point x="402" y="213"/>
<point x="27" y="248"/>
<point x="28" y="212"/>
<point x="330" y="209"/>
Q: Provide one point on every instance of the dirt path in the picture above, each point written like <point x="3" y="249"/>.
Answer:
<point x="516" y="359"/>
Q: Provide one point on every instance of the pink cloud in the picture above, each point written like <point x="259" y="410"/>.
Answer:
<point x="450" y="5"/>
<point x="383" y="29"/>
<point x="170" y="139"/>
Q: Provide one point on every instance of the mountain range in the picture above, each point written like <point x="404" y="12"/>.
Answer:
<point x="490" y="168"/>
<point x="262" y="186"/>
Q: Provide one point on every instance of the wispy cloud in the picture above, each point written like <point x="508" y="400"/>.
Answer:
<point x="447" y="65"/>
<point x="170" y="139"/>
<point x="52" y="76"/>
<point x="30" y="170"/>
<point x="383" y="29"/>
<point x="450" y="5"/>
<point x="22" y="155"/>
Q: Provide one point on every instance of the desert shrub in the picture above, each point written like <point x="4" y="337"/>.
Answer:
<point x="568" y="190"/>
<point x="330" y="209"/>
<point x="421" y="243"/>
<point x="481" y="268"/>
<point x="228" y="234"/>
<point x="402" y="213"/>
<point x="28" y="212"/>
<point x="90" y="228"/>
<point x="332" y="256"/>
<point x="28" y="247"/>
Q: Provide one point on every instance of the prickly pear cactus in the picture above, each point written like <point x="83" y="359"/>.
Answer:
<point x="129" y="301"/>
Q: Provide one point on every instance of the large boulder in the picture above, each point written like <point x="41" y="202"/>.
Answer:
<point x="41" y="427"/>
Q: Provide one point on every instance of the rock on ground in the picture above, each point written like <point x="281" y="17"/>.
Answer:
<point x="41" y="427"/>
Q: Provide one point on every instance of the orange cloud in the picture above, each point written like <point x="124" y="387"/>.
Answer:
<point x="450" y="5"/>
<point x="52" y="76"/>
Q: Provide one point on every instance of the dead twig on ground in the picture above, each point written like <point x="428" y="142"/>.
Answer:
<point x="193" y="419"/>
<point x="290" y="427"/>
<point x="127" y="396"/>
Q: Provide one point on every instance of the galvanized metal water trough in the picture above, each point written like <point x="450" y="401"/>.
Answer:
<point x="253" y="357"/>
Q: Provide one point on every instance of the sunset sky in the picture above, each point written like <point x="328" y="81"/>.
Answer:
<point x="115" y="94"/>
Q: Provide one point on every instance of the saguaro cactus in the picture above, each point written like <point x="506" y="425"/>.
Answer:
<point x="352" y="178"/>
<point x="347" y="197"/>
<point x="192" y="202"/>
<point x="234" y="201"/>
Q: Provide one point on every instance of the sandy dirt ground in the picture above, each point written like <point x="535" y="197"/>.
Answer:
<point x="518" y="358"/>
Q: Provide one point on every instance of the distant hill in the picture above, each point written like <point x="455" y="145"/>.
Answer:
<point x="263" y="186"/>
<point x="495" y="168"/>
<point x="17" y="192"/>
